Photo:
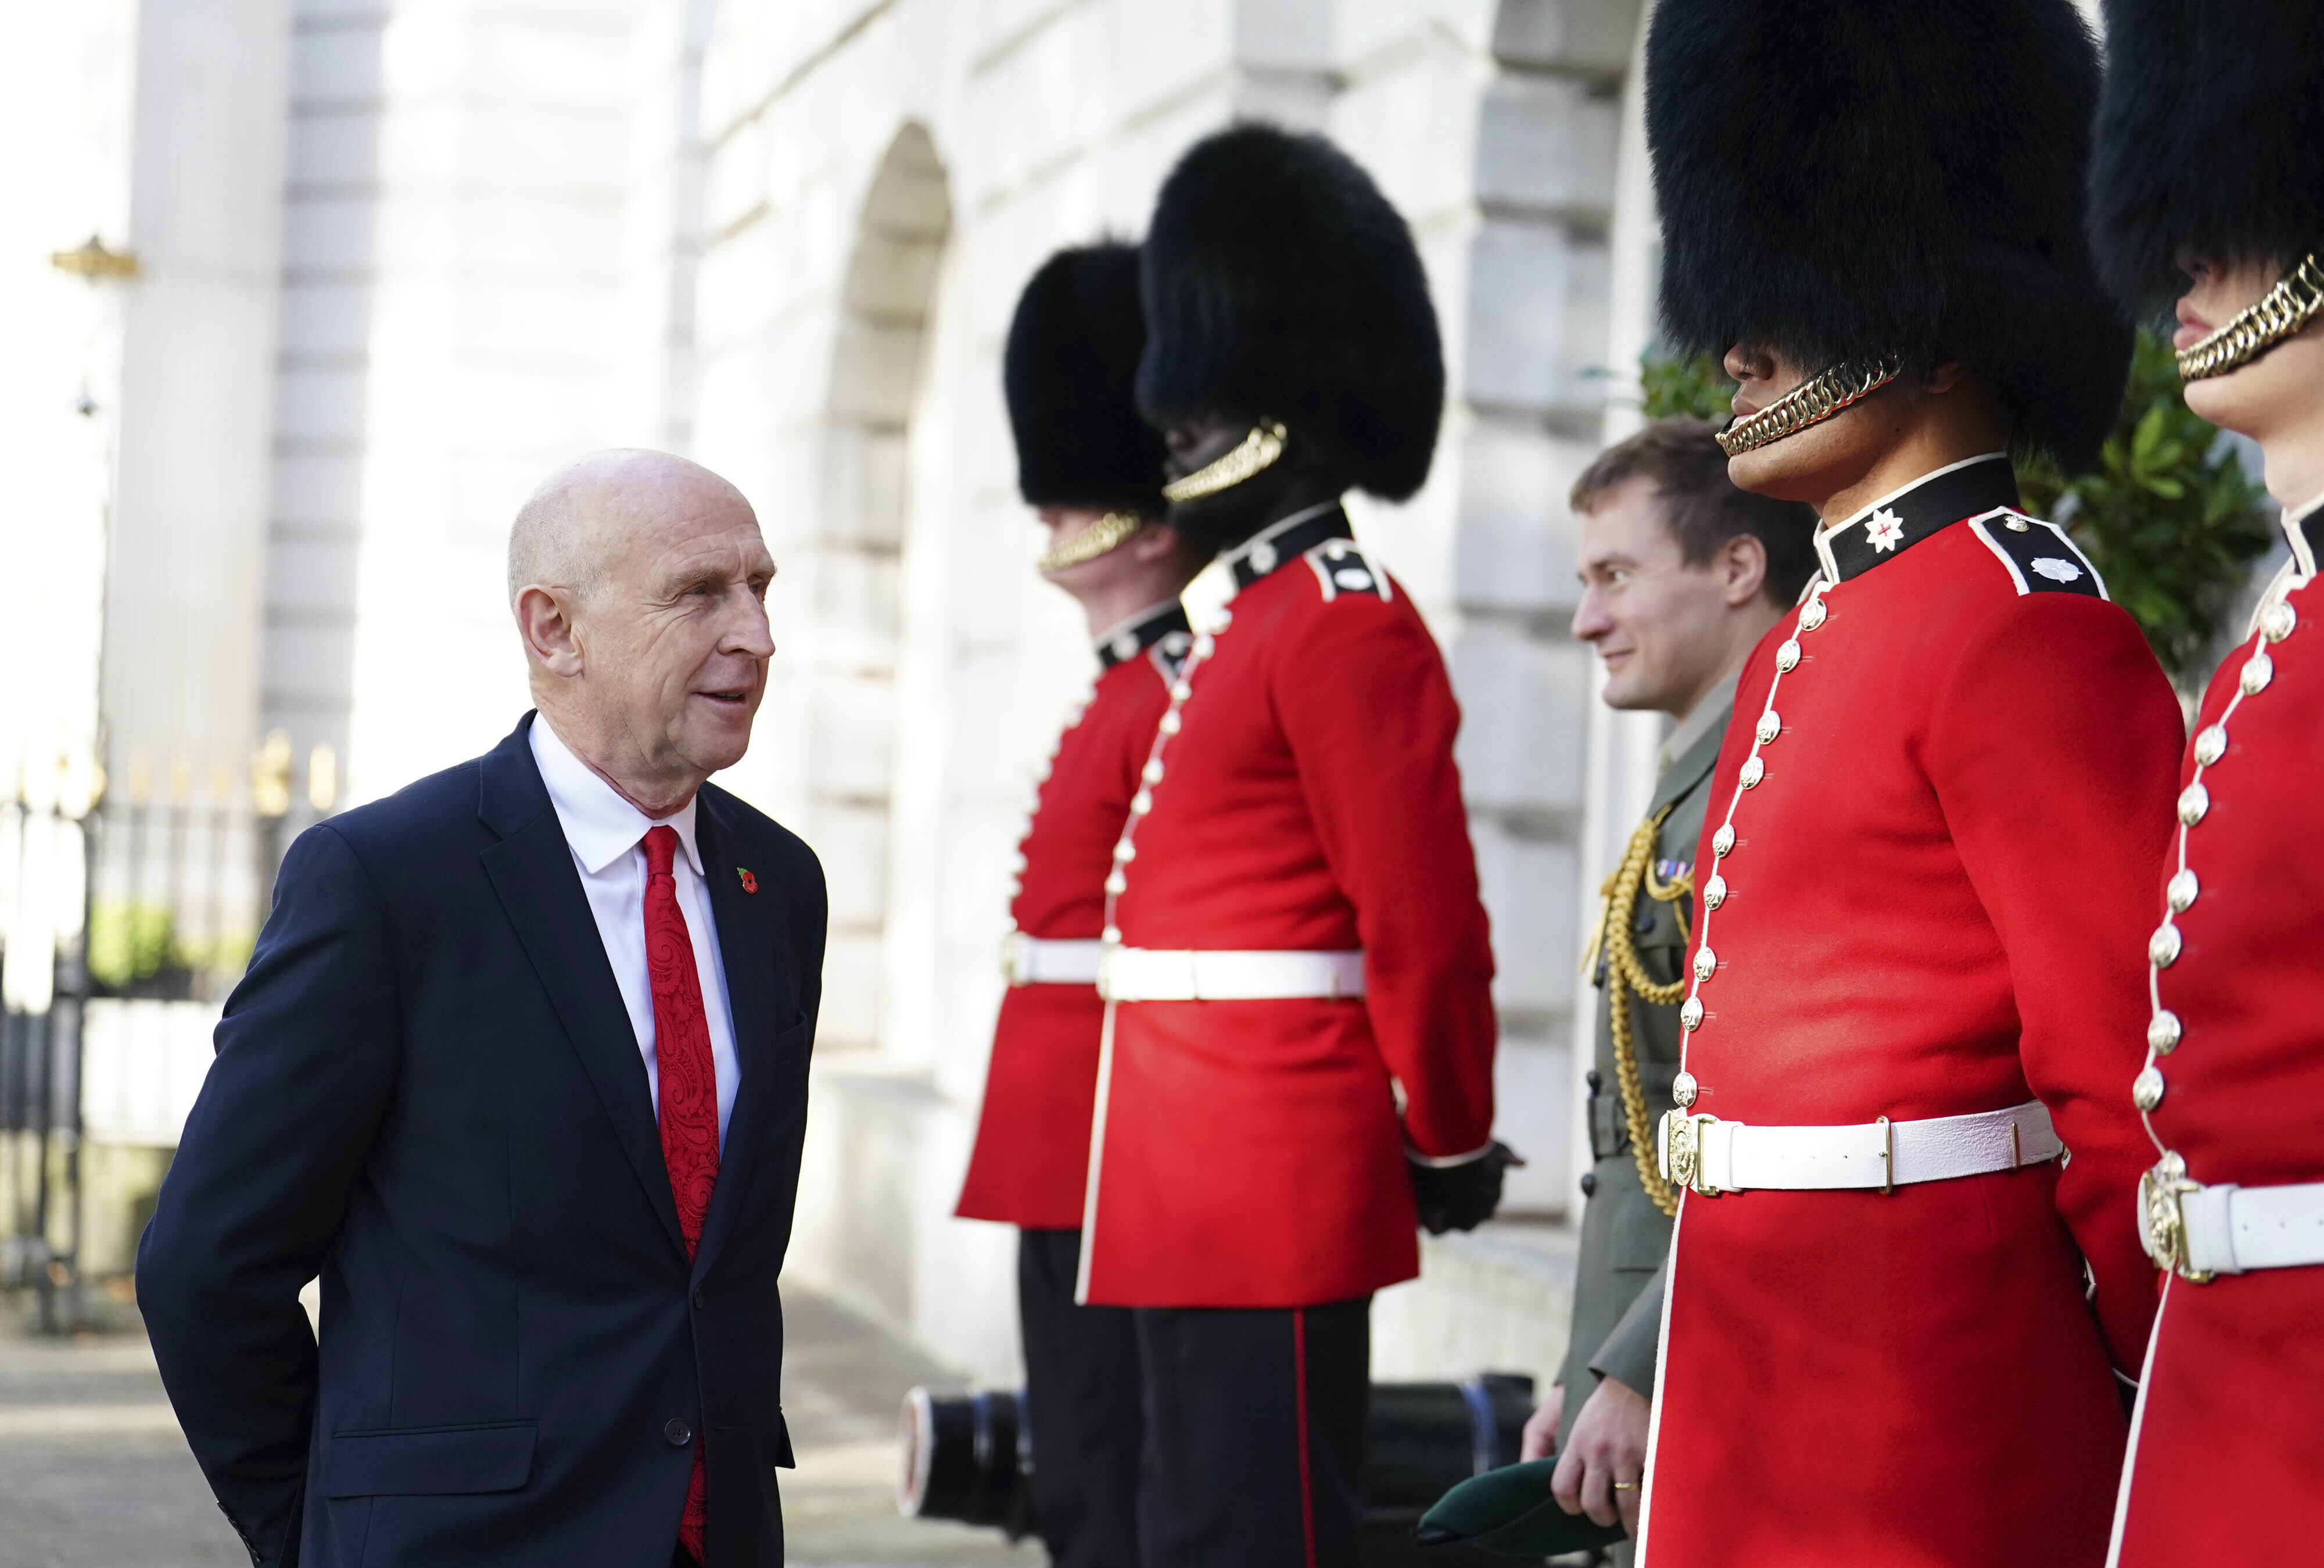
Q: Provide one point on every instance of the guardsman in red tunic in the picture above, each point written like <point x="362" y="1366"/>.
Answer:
<point x="1913" y="1000"/>
<point x="1094" y="469"/>
<point x="1300" y="1029"/>
<point x="2210" y="167"/>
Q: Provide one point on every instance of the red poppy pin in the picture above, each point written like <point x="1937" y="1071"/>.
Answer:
<point x="749" y="882"/>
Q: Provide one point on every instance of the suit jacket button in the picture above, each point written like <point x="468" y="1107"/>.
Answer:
<point x="1588" y="1184"/>
<point x="697" y="1299"/>
<point x="678" y="1433"/>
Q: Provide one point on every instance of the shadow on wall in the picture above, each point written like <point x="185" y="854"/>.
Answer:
<point x="846" y="677"/>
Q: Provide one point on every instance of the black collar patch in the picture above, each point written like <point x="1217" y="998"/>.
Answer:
<point x="1341" y="567"/>
<point x="2039" y="557"/>
<point x="1894" y="524"/>
<point x="1287" y="540"/>
<point x="1135" y="636"/>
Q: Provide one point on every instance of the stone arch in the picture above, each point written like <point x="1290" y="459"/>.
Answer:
<point x="886" y="300"/>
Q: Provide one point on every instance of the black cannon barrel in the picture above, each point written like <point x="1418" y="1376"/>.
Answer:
<point x="1422" y="1440"/>
<point x="968" y="1457"/>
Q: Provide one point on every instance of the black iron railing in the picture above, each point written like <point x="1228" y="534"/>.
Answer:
<point x="147" y="897"/>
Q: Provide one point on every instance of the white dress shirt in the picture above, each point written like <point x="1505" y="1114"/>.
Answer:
<point x="606" y="835"/>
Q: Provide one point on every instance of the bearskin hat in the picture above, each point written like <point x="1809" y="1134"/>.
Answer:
<point x="1842" y="179"/>
<point x="1068" y="372"/>
<point x="1281" y="284"/>
<point x="2211" y="138"/>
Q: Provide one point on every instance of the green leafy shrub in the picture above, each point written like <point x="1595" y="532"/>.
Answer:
<point x="129" y="942"/>
<point x="1688" y="389"/>
<point x="135" y="947"/>
<point x="2169" y="517"/>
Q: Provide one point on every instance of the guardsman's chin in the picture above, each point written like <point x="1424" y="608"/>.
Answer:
<point x="1224" y="519"/>
<point x="1811" y="464"/>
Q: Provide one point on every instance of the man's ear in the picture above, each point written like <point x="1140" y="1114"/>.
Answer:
<point x="1943" y="377"/>
<point x="1742" y="567"/>
<point x="1156" y="542"/>
<point x="545" y="620"/>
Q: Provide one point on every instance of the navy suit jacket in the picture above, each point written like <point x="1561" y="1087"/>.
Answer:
<point x="428" y="1092"/>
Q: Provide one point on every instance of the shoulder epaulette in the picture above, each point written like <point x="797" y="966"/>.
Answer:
<point x="1341" y="567"/>
<point x="2038" y="555"/>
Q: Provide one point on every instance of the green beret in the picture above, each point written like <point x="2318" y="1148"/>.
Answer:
<point x="1510" y="1512"/>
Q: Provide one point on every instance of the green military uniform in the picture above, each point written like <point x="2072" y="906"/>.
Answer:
<point x="1618" y="1290"/>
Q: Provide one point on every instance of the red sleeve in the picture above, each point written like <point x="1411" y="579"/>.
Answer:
<point x="2055" y="755"/>
<point x="1363" y="699"/>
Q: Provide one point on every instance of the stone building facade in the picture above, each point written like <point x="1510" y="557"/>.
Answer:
<point x="785" y="237"/>
<point x="881" y="179"/>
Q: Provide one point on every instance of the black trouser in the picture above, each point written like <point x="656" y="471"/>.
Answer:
<point x="1080" y="1388"/>
<point x="1254" y="1434"/>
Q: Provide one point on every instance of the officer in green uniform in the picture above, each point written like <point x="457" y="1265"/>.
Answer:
<point x="1681" y="574"/>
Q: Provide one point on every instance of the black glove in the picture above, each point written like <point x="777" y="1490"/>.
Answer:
<point x="1461" y="1197"/>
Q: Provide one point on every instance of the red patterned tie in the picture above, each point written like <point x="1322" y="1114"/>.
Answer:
<point x="688" y="1081"/>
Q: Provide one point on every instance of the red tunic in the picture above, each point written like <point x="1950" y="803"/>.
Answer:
<point x="1031" y="1159"/>
<point x="2225" y="1464"/>
<point x="1250" y="1152"/>
<point x="1932" y="907"/>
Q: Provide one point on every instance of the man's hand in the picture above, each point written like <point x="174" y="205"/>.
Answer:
<point x="1461" y="1197"/>
<point x="1607" y="1450"/>
<point x="1541" y="1426"/>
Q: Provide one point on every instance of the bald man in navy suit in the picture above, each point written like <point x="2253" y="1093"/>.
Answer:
<point x="520" y="1070"/>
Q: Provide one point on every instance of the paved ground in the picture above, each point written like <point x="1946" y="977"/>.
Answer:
<point x="844" y="1382"/>
<point x="94" y="1474"/>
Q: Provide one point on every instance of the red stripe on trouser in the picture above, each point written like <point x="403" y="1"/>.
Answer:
<point x="1306" y="1474"/>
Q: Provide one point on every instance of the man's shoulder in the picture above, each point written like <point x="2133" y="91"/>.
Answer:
<point x="398" y="849"/>
<point x="1336" y="608"/>
<point x="2004" y="587"/>
<point x="2025" y="555"/>
<point x="1339" y="587"/>
<point x="421" y="811"/>
<point x="745" y="822"/>
<point x="2004" y="567"/>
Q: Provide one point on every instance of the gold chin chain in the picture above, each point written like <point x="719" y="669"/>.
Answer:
<point x="2282" y="311"/>
<point x="1097" y="540"/>
<point x="1813" y="402"/>
<point x="1255" y="453"/>
<point x="1625" y="976"/>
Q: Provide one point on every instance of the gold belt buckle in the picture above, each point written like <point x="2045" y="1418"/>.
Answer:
<point x="2162" y="1220"/>
<point x="1683" y="1150"/>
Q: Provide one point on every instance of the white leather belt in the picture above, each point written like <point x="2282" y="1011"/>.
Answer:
<point x="1038" y="961"/>
<point x="1148" y="974"/>
<point x="1713" y="1156"/>
<point x="2232" y="1230"/>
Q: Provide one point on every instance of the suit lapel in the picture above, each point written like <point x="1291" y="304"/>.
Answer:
<point x="1688" y="769"/>
<point x="746" y="948"/>
<point x="532" y="870"/>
